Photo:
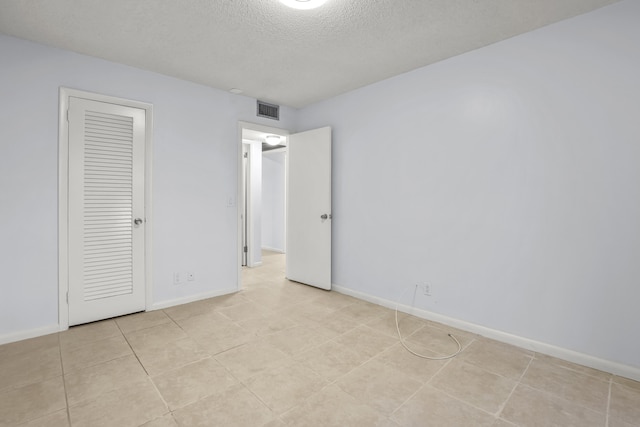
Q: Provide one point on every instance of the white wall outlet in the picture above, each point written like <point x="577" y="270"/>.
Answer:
<point x="177" y="278"/>
<point x="427" y="290"/>
<point x="191" y="277"/>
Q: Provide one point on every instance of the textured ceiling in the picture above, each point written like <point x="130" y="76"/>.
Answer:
<point x="274" y="53"/>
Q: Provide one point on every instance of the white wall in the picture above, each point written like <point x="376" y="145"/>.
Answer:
<point x="194" y="174"/>
<point x="273" y="200"/>
<point x="506" y="178"/>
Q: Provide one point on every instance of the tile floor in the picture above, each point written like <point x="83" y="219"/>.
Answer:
<point x="284" y="354"/>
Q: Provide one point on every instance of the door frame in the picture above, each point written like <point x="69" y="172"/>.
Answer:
<point x="259" y="128"/>
<point x="63" y="194"/>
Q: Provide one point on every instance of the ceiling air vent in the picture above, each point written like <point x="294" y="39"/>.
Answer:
<point x="269" y="111"/>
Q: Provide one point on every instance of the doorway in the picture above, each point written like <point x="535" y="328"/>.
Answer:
<point x="104" y="203"/>
<point x="308" y="203"/>
<point x="261" y="192"/>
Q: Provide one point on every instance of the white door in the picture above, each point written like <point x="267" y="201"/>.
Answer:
<point x="106" y="219"/>
<point x="309" y="208"/>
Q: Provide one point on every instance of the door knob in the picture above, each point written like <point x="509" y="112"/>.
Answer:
<point x="137" y="221"/>
<point x="325" y="216"/>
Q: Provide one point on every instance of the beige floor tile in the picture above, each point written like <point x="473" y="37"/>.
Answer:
<point x="334" y="300"/>
<point x="155" y="336"/>
<point x="387" y="324"/>
<point x="306" y="311"/>
<point x="246" y="311"/>
<point x="334" y="325"/>
<point x="33" y="344"/>
<point x="77" y="336"/>
<point x="297" y="339"/>
<point x="203" y="325"/>
<point x="251" y="359"/>
<point x="586" y="390"/>
<point x="57" y="419"/>
<point x="617" y="423"/>
<point x="251" y="279"/>
<point x="31" y="402"/>
<point x="366" y="341"/>
<point x="363" y="312"/>
<point x="331" y="360"/>
<point x="528" y="407"/>
<point x="275" y="423"/>
<point x="164" y="421"/>
<point x="228" y="300"/>
<point x="432" y="408"/>
<point x="332" y="407"/>
<point x="89" y="383"/>
<point x="438" y="341"/>
<point x="268" y="297"/>
<point x="185" y="385"/>
<point x="496" y="357"/>
<point x="604" y="376"/>
<point x="225" y="339"/>
<point x="285" y="387"/>
<point x="147" y="319"/>
<point x="29" y="367"/>
<point x="237" y="406"/>
<point x="503" y="423"/>
<point x="172" y="355"/>
<point x="627" y="382"/>
<point x="299" y="291"/>
<point x="415" y="367"/>
<point x="625" y="404"/>
<point x="379" y="385"/>
<point x="129" y="406"/>
<point x="95" y="353"/>
<point x="183" y="311"/>
<point x="268" y="325"/>
<point x="474" y="385"/>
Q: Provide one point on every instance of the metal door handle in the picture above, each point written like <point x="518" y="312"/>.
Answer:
<point x="137" y="221"/>
<point x="325" y="216"/>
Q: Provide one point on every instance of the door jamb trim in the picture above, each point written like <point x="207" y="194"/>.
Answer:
<point x="63" y="194"/>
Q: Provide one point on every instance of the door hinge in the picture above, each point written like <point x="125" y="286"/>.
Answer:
<point x="67" y="297"/>
<point x="67" y="114"/>
<point x="245" y="249"/>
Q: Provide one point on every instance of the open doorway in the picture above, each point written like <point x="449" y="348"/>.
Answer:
<point x="262" y="203"/>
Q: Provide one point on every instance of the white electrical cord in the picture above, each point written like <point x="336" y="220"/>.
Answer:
<point x="413" y="352"/>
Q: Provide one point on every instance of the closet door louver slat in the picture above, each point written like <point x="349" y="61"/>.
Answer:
<point x="107" y="194"/>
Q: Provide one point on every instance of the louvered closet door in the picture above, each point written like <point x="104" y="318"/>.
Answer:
<point x="106" y="196"/>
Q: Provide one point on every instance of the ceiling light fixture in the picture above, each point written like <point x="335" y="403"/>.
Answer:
<point x="303" y="4"/>
<point x="272" y="140"/>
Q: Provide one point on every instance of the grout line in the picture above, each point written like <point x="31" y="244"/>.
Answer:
<point x="64" y="383"/>
<point x="134" y="352"/>
<point x="606" y="423"/>
<point x="513" y="390"/>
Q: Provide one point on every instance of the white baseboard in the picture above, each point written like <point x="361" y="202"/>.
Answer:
<point x="277" y="250"/>
<point x="526" y="343"/>
<point x="191" y="298"/>
<point x="32" y="333"/>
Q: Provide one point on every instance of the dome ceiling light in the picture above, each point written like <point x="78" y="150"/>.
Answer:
<point x="303" y="4"/>
<point x="272" y="140"/>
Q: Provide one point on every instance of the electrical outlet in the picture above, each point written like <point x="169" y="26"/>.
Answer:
<point x="191" y="277"/>
<point x="177" y="279"/>
<point x="427" y="290"/>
